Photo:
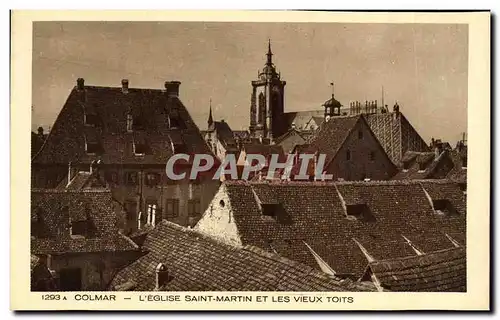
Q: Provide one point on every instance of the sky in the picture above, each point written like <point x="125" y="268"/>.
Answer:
<point x="421" y="66"/>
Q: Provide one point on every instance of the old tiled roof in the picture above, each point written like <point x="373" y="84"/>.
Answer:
<point x="225" y="134"/>
<point x="300" y="118"/>
<point x="458" y="173"/>
<point x="196" y="262"/>
<point x="447" y="165"/>
<point x="241" y="134"/>
<point x="317" y="215"/>
<point x="441" y="271"/>
<point x="55" y="209"/>
<point x="331" y="135"/>
<point x="395" y="134"/>
<point x="151" y="107"/>
<point x="263" y="149"/>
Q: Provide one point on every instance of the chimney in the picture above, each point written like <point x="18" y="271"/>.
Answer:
<point x="125" y="86"/>
<point x="172" y="88"/>
<point x="161" y="276"/>
<point x="80" y="84"/>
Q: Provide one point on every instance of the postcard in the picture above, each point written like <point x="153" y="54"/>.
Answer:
<point x="223" y="160"/>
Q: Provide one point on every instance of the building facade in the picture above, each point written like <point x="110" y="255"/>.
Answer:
<point x="127" y="135"/>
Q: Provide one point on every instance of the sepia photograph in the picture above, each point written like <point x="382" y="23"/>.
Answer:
<point x="219" y="158"/>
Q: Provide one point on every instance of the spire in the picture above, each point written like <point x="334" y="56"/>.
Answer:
<point x="269" y="54"/>
<point x="333" y="88"/>
<point x="210" y="118"/>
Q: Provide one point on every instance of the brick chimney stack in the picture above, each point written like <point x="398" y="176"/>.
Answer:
<point x="172" y="88"/>
<point x="125" y="85"/>
<point x="80" y="84"/>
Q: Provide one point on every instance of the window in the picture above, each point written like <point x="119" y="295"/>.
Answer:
<point x="112" y="177"/>
<point x="131" y="178"/>
<point x="348" y="155"/>
<point x="173" y="208"/>
<point x="140" y="147"/>
<point x="180" y="148"/>
<point x="443" y="207"/>
<point x="152" y="179"/>
<point x="406" y="165"/>
<point x="79" y="228"/>
<point x="151" y="208"/>
<point x="194" y="207"/>
<point x="360" y="134"/>
<point x="372" y="155"/>
<point x="138" y="123"/>
<point x="222" y="203"/>
<point x="360" y="212"/>
<point x="91" y="120"/>
<point x="422" y="166"/>
<point x="174" y="120"/>
<point x="130" y="122"/>
<point x="464" y="162"/>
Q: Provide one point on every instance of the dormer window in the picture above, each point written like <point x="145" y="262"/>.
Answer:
<point x="138" y="123"/>
<point x="422" y="166"/>
<point x="90" y="116"/>
<point x="140" y="145"/>
<point x="443" y="207"/>
<point x="174" y="120"/>
<point x="92" y="145"/>
<point x="130" y="122"/>
<point x="360" y="212"/>
<point x="348" y="155"/>
<point x="177" y="143"/>
<point x="80" y="223"/>
<point x="406" y="165"/>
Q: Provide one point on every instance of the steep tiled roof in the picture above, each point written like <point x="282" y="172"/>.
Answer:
<point x="263" y="149"/>
<point x="425" y="165"/>
<point x="458" y="173"/>
<point x="331" y="135"/>
<point x="441" y="271"/>
<point x="316" y="212"/>
<point x="395" y="134"/>
<point x="54" y="209"/>
<point x="199" y="263"/>
<point x="225" y="134"/>
<point x="300" y="118"/>
<point x="150" y="107"/>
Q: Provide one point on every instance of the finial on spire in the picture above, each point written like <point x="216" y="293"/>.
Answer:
<point x="210" y="118"/>
<point x="333" y="88"/>
<point x="269" y="54"/>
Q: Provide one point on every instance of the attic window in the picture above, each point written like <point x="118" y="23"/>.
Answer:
<point x="90" y="119"/>
<point x="360" y="212"/>
<point x="130" y="122"/>
<point x="269" y="210"/>
<point x="222" y="203"/>
<point x="443" y="207"/>
<point x="422" y="166"/>
<point x="138" y="123"/>
<point x="92" y="145"/>
<point x="406" y="165"/>
<point x="360" y="134"/>
<point x="174" y="120"/>
<point x="140" y="146"/>
<point x="348" y="155"/>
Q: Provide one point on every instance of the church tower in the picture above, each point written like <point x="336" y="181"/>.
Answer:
<point x="267" y="102"/>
